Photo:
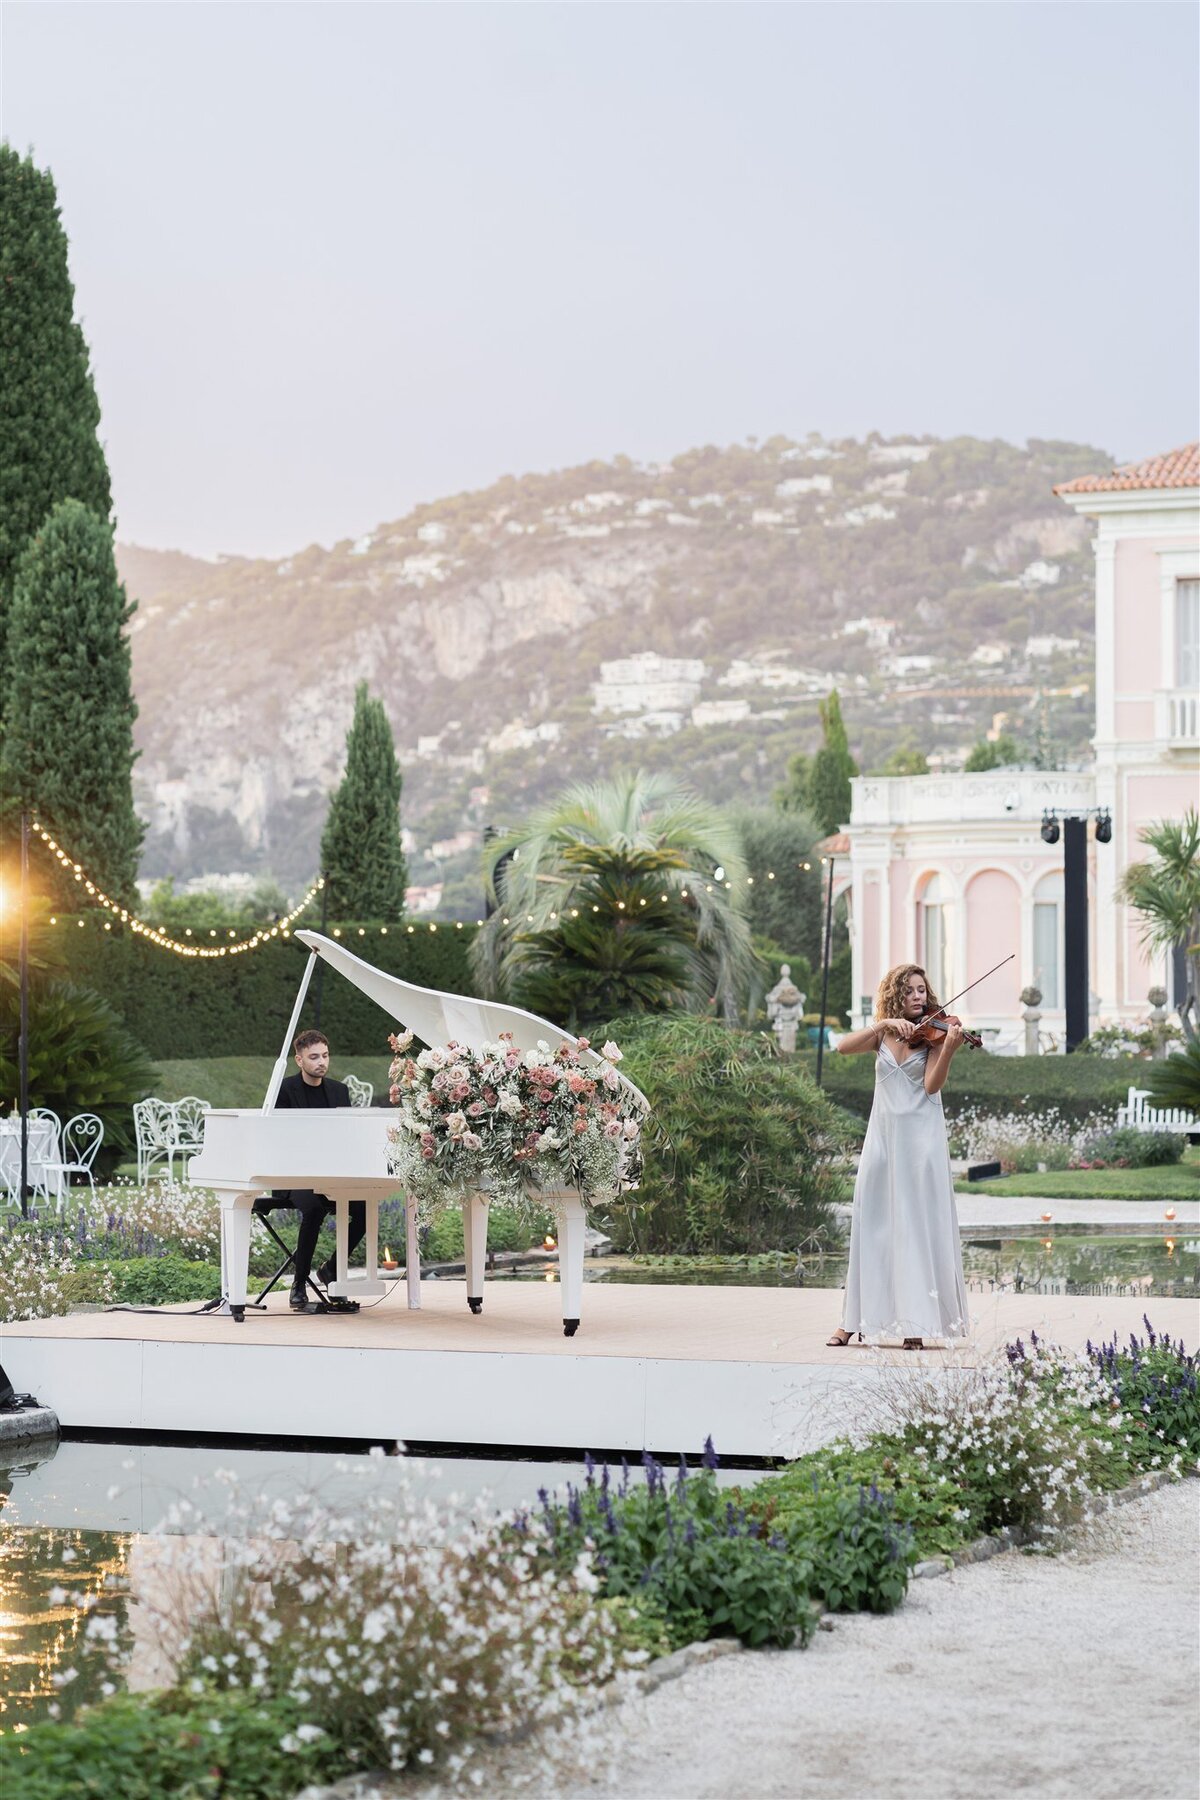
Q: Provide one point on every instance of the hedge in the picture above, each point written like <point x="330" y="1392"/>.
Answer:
<point x="1078" y="1086"/>
<point x="185" y="1007"/>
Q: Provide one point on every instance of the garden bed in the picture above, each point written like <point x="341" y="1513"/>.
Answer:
<point x="1180" y="1182"/>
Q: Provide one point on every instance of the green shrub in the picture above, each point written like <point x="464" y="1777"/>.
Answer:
<point x="1077" y="1087"/>
<point x="743" y="1150"/>
<point x="170" y="1747"/>
<point x="679" y="1547"/>
<point x="1158" y="1386"/>
<point x="180" y="1006"/>
<point x="81" y="1058"/>
<point x="1125" y="1148"/>
<point x="160" y="1280"/>
<point x="922" y="1503"/>
<point x="1176" y="1081"/>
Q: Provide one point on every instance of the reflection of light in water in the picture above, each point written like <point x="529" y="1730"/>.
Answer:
<point x="39" y="1639"/>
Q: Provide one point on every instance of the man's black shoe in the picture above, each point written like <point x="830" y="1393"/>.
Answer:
<point x="298" y="1299"/>
<point x="327" y="1273"/>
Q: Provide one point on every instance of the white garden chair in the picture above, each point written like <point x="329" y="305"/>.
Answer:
<point x="47" y="1126"/>
<point x="361" y="1092"/>
<point x="187" y="1133"/>
<point x="81" y="1140"/>
<point x="154" y="1127"/>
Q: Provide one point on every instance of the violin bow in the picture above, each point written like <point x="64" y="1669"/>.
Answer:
<point x="976" y="982"/>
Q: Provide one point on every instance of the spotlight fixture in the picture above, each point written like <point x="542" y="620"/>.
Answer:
<point x="1050" y="828"/>
<point x="1104" y="828"/>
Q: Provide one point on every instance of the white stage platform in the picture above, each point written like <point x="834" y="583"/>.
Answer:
<point x="658" y="1368"/>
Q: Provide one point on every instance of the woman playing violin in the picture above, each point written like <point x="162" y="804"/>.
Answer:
<point x="905" y="1277"/>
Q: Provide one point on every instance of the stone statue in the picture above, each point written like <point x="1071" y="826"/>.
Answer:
<point x="1158" y="1022"/>
<point x="1031" y="1000"/>
<point x="785" y="1008"/>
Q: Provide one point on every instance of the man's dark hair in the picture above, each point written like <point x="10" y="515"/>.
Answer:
<point x="304" y="1039"/>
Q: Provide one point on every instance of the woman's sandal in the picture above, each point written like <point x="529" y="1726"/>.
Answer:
<point x="841" y="1338"/>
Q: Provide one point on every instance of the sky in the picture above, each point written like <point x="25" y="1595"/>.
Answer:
<point x="333" y="260"/>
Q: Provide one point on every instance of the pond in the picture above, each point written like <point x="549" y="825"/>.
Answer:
<point x="1065" y="1264"/>
<point x="80" y="1519"/>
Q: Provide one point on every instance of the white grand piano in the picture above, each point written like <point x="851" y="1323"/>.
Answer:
<point x="343" y="1153"/>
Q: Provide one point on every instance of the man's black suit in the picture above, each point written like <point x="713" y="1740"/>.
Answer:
<point x="314" y="1209"/>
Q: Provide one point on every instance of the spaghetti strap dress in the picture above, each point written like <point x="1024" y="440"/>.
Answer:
<point x="905" y="1277"/>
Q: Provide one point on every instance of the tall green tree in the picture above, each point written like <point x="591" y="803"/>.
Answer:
<point x="360" y="847"/>
<point x="831" y="769"/>
<point x="992" y="753"/>
<point x="68" y="747"/>
<point x="1165" y="890"/>
<point x="49" y="414"/>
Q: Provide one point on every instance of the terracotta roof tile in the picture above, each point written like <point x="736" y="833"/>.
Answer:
<point x="1176" y="469"/>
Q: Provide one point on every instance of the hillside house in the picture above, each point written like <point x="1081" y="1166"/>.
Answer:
<point x="647" y="683"/>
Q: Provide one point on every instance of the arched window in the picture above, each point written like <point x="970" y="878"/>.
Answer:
<point x="1047" y="939"/>
<point x="931" y="935"/>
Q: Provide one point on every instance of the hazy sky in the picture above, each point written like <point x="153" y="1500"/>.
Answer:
<point x="335" y="259"/>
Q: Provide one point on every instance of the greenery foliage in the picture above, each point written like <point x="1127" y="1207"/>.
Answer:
<point x="361" y="854"/>
<point x="748" y="1149"/>
<point x="1078" y="1086"/>
<point x="577" y="855"/>
<point x="1176" y="1080"/>
<point x="82" y="1058"/>
<point x="68" y="699"/>
<point x="828" y="790"/>
<point x="180" y="1007"/>
<point x="49" y="414"/>
<point x="169" y="1280"/>
<point x="992" y="753"/>
<point x="1166" y="891"/>
<point x="207" y="910"/>
<point x="789" y="909"/>
<point x="1126" y="1148"/>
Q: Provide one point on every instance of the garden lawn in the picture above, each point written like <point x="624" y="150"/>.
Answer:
<point x="1180" y="1181"/>
<point x="242" y="1080"/>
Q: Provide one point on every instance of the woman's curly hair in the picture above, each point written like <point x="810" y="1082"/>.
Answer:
<point x="889" y="1000"/>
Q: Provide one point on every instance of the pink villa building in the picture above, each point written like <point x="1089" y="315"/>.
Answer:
<point x="951" y="870"/>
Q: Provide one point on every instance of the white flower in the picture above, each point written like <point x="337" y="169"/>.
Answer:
<point x="456" y="1123"/>
<point x="611" y="1053"/>
<point x="510" y="1104"/>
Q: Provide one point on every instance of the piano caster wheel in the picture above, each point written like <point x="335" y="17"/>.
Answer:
<point x="570" y="1327"/>
<point x="239" y="1314"/>
<point x="476" y="1306"/>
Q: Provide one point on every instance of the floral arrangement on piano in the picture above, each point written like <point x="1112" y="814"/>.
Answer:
<point x="515" y="1123"/>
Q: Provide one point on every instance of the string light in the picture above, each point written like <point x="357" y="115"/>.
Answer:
<point x="162" y="939"/>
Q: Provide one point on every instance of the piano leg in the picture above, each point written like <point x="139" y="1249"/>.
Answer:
<point x="572" y="1224"/>
<point x="235" y="1254"/>
<point x="412" y="1255"/>
<point x="475" y="1222"/>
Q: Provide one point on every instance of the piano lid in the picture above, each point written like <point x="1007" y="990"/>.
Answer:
<point x="439" y="1018"/>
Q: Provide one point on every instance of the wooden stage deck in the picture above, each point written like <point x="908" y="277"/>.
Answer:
<point x="654" y="1367"/>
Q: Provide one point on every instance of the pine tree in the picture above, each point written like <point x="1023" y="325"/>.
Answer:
<point x="68" y="746"/>
<point x="831" y="769"/>
<point x="49" y="413"/>
<point x="360" y="846"/>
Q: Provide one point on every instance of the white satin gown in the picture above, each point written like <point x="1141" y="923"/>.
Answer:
<point x="905" y="1277"/>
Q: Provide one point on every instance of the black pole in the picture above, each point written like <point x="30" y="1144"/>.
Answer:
<point x="321" y="964"/>
<point x="825" y="973"/>
<point x="1075" y="930"/>
<point x="23" y="1041"/>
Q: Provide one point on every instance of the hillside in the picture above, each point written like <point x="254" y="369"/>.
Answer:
<point x="762" y="571"/>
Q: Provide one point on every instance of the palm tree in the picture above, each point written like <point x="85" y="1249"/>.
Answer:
<point x="1166" y="891"/>
<point x="581" y="915"/>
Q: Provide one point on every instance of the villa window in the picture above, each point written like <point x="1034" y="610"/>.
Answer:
<point x="1187" y="634"/>
<point x="933" y="935"/>
<point x="1047" y="940"/>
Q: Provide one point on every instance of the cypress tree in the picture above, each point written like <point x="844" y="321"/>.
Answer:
<point x="360" y="846"/>
<point x="49" y="413"/>
<point x="68" y="746"/>
<point x="831" y="769"/>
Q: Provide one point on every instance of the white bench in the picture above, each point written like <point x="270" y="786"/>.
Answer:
<point x="1138" y="1116"/>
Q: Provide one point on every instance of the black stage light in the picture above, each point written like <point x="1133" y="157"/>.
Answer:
<point x="1050" y="832"/>
<point x="1104" y="828"/>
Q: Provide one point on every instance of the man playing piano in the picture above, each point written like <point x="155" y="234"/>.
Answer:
<point x="311" y="1086"/>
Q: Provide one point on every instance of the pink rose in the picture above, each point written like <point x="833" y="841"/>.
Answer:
<point x="613" y="1129"/>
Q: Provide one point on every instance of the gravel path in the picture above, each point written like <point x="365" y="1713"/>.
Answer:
<point x="1073" y="1678"/>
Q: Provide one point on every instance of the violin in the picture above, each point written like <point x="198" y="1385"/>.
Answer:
<point x="932" y="1027"/>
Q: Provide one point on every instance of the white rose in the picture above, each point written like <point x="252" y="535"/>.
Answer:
<point x="611" y="1079"/>
<point x="533" y="1059"/>
<point x="549" y="1141"/>
<point x="611" y="1053"/>
<point x="632" y="1129"/>
<point x="510" y="1104"/>
<point x="456" y="1123"/>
